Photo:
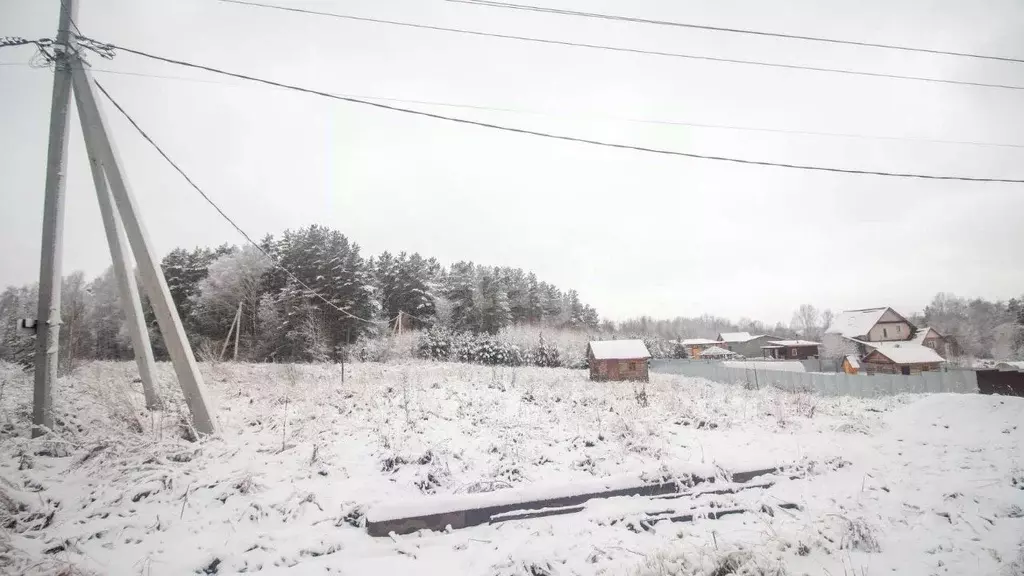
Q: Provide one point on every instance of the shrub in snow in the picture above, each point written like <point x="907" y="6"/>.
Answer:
<point x="544" y="355"/>
<point x="1016" y="568"/>
<point x="739" y="562"/>
<point x="858" y="534"/>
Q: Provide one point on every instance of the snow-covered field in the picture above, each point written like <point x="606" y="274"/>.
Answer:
<point x="934" y="485"/>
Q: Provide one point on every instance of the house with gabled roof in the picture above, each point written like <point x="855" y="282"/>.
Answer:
<point x="618" y="360"/>
<point x="885" y="337"/>
<point x="901" y="358"/>
<point x="852" y="331"/>
<point x="744" y="343"/>
<point x="931" y="338"/>
<point x="871" y="325"/>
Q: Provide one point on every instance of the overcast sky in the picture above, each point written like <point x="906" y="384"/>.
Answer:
<point x="635" y="233"/>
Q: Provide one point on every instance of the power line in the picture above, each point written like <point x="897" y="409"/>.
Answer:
<point x="210" y="201"/>
<point x="653" y="121"/>
<point x="626" y="50"/>
<point x="543" y="9"/>
<point x="557" y="136"/>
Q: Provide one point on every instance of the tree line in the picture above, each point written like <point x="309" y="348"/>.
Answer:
<point x="332" y="297"/>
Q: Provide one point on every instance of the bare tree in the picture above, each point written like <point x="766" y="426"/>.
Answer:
<point x="805" y="321"/>
<point x="826" y="319"/>
<point x="314" y="337"/>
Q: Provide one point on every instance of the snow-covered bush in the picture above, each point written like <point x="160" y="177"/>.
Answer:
<point x="738" y="561"/>
<point x="509" y="348"/>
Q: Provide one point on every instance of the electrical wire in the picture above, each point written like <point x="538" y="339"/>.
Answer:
<point x="547" y="10"/>
<point x="505" y="109"/>
<point x="627" y="50"/>
<point x="558" y="136"/>
<point x="654" y="121"/>
<point x="210" y="201"/>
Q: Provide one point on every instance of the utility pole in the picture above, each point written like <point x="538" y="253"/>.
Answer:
<point x="128" y="291"/>
<point x="96" y="128"/>
<point x="238" y="328"/>
<point x="227" y="339"/>
<point x="48" y="313"/>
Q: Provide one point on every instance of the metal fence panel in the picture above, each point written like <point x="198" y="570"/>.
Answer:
<point x="825" y="384"/>
<point x="805" y="382"/>
<point x="971" y="382"/>
<point x="842" y="384"/>
<point x="948" y="382"/>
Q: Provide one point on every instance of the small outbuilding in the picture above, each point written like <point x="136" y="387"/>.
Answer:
<point x="618" y="360"/>
<point x="901" y="358"/>
<point x="745" y="343"/>
<point x="791" y="349"/>
<point x="851" y="364"/>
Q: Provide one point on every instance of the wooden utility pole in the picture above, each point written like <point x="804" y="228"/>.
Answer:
<point x="235" y="323"/>
<point x="238" y="329"/>
<point x="48" y="313"/>
<point x="96" y="129"/>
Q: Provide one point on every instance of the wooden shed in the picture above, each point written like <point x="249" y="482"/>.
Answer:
<point x="618" y="360"/>
<point x="901" y="358"/>
<point x="851" y="364"/>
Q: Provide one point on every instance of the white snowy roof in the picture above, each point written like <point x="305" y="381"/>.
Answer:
<point x="1010" y="366"/>
<point x="783" y="343"/>
<point x="907" y="353"/>
<point x="619" y="349"/>
<point x="853" y="361"/>
<point x="735" y="337"/>
<point x="698" y="342"/>
<point x="716" y="351"/>
<point x="856" y="323"/>
<point x="921" y="333"/>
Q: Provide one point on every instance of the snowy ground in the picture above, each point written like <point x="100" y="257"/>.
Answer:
<point x="935" y="484"/>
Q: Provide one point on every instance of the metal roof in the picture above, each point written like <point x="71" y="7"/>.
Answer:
<point x="619" y="349"/>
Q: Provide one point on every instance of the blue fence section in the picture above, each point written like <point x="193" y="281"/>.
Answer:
<point x="826" y="383"/>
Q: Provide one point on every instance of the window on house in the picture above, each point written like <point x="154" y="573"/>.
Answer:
<point x="792" y="352"/>
<point x="885" y="333"/>
<point x="899" y="329"/>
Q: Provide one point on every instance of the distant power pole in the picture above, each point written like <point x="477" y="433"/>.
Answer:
<point x="48" y="313"/>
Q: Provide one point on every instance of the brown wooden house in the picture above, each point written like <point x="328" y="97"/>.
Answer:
<point x="901" y="358"/>
<point x="618" y="360"/>
<point x="791" y="350"/>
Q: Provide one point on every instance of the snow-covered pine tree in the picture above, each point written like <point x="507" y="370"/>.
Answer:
<point x="461" y="285"/>
<point x="494" y="310"/>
